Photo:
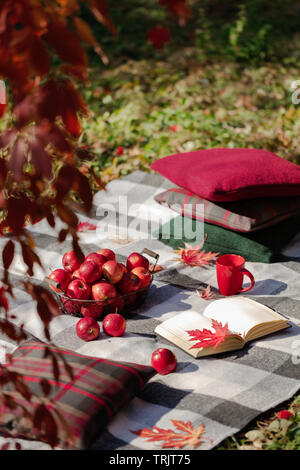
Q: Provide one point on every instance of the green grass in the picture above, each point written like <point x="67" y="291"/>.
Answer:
<point x="211" y="103"/>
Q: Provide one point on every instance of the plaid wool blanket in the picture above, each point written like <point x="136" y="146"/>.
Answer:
<point x="224" y="392"/>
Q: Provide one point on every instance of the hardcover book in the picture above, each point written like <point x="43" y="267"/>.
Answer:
<point x="225" y="325"/>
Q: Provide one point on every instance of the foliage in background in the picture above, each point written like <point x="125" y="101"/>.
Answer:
<point x="41" y="58"/>
<point x="144" y="110"/>
<point x="249" y="32"/>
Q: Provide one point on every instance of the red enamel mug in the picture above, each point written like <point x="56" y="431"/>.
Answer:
<point x="230" y="274"/>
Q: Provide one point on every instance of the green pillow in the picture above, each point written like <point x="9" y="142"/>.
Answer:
<point x="263" y="245"/>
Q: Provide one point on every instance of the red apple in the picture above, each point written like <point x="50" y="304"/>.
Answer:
<point x="129" y="283"/>
<point x="136" y="260"/>
<point x="76" y="274"/>
<point x="163" y="361"/>
<point x="96" y="258"/>
<point x="143" y="275"/>
<point x="104" y="291"/>
<point x="116" y="306"/>
<point x="93" y="310"/>
<point x="114" y="324"/>
<point x="61" y="277"/>
<point x="109" y="254"/>
<point x="90" y="271"/>
<point x="87" y="329"/>
<point x="112" y="271"/>
<point x="70" y="261"/>
<point x="71" y="306"/>
<point x="125" y="270"/>
<point x="78" y="289"/>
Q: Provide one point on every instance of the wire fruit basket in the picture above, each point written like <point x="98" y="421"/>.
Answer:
<point x="123" y="303"/>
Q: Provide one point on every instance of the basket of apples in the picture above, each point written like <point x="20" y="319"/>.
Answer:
<point x="102" y="285"/>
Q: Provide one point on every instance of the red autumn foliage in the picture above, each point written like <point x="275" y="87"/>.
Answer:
<point x="85" y="227"/>
<point x="285" y="414"/>
<point x="206" y="293"/>
<point x="187" y="435"/>
<point x="207" y="338"/>
<point x="158" y="36"/>
<point x="192" y="256"/>
<point x="40" y="158"/>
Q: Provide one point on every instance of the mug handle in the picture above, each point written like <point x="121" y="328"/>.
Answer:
<point x="245" y="272"/>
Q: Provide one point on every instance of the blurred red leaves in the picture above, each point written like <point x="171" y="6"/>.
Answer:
<point x="179" y="8"/>
<point x="42" y="172"/>
<point x="158" y="36"/>
<point x="65" y="43"/>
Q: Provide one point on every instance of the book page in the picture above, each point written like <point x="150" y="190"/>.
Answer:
<point x="240" y="313"/>
<point x="179" y="324"/>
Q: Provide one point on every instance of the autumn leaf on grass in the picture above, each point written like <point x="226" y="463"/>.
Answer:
<point x="192" y="255"/>
<point x="85" y="226"/>
<point x="187" y="435"/>
<point x="206" y="293"/>
<point x="207" y="338"/>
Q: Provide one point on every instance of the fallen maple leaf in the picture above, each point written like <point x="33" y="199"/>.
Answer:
<point x="206" y="293"/>
<point x="188" y="435"/>
<point x="192" y="255"/>
<point x="155" y="269"/>
<point x="85" y="226"/>
<point x="207" y="338"/>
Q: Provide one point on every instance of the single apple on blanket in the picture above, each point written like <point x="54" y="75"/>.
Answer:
<point x="104" y="291"/>
<point x="114" y="324"/>
<point x="70" y="261"/>
<point x="90" y="271"/>
<point x="109" y="254"/>
<point x="61" y="277"/>
<point x="112" y="271"/>
<point x="144" y="276"/>
<point x="87" y="329"/>
<point x="136" y="260"/>
<point x="164" y="361"/>
<point x="93" y="310"/>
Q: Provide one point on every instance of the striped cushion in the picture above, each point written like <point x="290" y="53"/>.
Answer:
<point x="240" y="216"/>
<point x="99" y="389"/>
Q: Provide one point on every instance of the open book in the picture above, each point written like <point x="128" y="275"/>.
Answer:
<point x="240" y="320"/>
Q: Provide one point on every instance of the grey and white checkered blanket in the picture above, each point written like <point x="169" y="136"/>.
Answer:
<point x="223" y="392"/>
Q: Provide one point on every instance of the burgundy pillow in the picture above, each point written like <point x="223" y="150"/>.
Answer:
<point x="231" y="174"/>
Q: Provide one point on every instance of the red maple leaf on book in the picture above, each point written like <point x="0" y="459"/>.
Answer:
<point x="192" y="255"/>
<point x="207" y="338"/>
<point x="187" y="435"/>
